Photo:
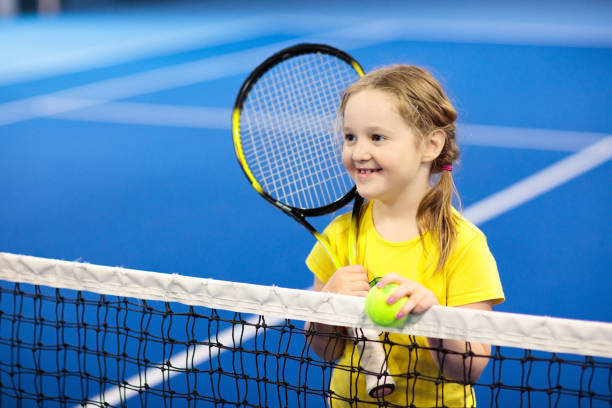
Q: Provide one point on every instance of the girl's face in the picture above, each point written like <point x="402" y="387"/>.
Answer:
<point x="381" y="152"/>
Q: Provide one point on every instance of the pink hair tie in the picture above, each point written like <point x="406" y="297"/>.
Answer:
<point x="447" y="168"/>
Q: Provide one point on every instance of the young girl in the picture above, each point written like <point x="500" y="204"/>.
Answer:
<point x="399" y="148"/>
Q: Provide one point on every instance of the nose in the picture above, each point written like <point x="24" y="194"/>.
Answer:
<point x="361" y="151"/>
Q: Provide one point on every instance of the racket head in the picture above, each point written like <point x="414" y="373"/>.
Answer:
<point x="285" y="128"/>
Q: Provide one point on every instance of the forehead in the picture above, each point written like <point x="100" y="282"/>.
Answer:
<point x="372" y="105"/>
<point x="374" y="94"/>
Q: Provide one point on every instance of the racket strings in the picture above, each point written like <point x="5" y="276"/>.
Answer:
<point x="288" y="130"/>
<point x="301" y="151"/>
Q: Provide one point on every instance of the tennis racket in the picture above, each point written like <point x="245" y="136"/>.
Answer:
<point x="288" y="144"/>
<point x="286" y="136"/>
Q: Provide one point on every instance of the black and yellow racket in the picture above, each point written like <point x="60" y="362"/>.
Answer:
<point x="286" y="136"/>
<point x="288" y="143"/>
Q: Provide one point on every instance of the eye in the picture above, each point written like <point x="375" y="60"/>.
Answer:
<point x="377" y="138"/>
<point x="349" y="137"/>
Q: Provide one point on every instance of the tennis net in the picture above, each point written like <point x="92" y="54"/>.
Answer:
<point x="76" y="334"/>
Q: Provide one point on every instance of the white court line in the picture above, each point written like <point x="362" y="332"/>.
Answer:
<point x="146" y="114"/>
<point x="72" y="44"/>
<point x="219" y="118"/>
<point x="540" y="182"/>
<point x="525" y="138"/>
<point x="180" y="361"/>
<point x="207" y="69"/>
<point x="493" y="206"/>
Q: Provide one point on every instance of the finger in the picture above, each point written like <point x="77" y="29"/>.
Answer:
<point x="425" y="303"/>
<point x="360" y="286"/>
<point x="355" y="292"/>
<point x="353" y="270"/>
<point x="349" y="274"/>
<point x="409" y="306"/>
<point x="360" y="274"/>
<point x="358" y="270"/>
<point x="352" y="288"/>
<point x="419" y="302"/>
<point x="407" y="288"/>
<point x="389" y="278"/>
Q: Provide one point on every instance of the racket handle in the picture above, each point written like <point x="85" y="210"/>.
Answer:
<point x="374" y="360"/>
<point x="325" y="245"/>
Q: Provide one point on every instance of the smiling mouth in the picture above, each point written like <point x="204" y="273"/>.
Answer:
<point x="368" y="171"/>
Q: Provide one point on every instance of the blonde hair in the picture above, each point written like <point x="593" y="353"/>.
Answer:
<point x="426" y="108"/>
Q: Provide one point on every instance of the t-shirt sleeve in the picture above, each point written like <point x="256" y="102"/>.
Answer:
<point x="473" y="276"/>
<point x="319" y="261"/>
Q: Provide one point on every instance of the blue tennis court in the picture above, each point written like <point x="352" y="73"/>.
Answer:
<point x="116" y="145"/>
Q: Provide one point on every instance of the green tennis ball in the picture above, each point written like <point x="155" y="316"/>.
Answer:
<point x="379" y="311"/>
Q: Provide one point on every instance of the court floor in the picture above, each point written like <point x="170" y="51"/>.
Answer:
<point x="116" y="145"/>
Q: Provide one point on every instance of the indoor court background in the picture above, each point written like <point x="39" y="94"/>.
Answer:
<point x="116" y="145"/>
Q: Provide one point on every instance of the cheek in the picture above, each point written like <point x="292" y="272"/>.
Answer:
<point x="346" y="158"/>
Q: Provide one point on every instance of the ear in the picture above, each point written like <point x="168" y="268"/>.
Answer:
<point x="433" y="145"/>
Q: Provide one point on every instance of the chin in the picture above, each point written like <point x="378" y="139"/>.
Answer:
<point x="368" y="194"/>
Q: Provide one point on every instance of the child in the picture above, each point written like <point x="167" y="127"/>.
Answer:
<point x="399" y="148"/>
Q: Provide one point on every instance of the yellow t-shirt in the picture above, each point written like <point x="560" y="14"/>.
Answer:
<point x="470" y="275"/>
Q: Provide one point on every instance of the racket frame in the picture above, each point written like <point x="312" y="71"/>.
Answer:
<point x="298" y="214"/>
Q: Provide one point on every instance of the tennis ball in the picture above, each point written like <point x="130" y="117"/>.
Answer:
<point x="379" y="311"/>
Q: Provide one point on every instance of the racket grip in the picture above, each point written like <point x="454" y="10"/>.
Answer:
<point x="379" y="382"/>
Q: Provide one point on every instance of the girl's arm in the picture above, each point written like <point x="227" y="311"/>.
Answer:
<point x="452" y="365"/>
<point x="349" y="280"/>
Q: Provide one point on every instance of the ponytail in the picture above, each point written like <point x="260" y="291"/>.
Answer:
<point x="436" y="215"/>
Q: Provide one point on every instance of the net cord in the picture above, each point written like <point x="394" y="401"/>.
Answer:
<point x="497" y="328"/>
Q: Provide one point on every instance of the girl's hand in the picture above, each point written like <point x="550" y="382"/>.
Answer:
<point x="419" y="297"/>
<point x="348" y="280"/>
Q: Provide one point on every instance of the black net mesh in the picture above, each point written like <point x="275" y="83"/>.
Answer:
<point x="60" y="347"/>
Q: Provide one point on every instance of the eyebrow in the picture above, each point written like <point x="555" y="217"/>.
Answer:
<point x="370" y="129"/>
